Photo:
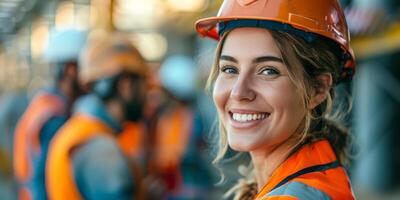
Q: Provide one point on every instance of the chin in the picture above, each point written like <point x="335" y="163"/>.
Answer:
<point x="241" y="145"/>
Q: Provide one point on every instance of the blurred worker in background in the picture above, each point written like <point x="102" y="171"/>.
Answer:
<point x="47" y="111"/>
<point x="85" y="160"/>
<point x="178" y="140"/>
<point x="375" y="26"/>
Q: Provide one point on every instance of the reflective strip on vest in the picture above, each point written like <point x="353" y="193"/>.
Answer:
<point x="299" y="190"/>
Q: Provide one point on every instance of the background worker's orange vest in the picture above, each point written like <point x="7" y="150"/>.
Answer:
<point x="26" y="139"/>
<point x="131" y="140"/>
<point x="173" y="133"/>
<point x="314" y="165"/>
<point x="78" y="130"/>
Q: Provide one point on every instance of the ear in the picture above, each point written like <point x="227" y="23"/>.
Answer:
<point x="321" y="90"/>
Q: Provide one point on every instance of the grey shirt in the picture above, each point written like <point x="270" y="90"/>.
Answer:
<point x="101" y="171"/>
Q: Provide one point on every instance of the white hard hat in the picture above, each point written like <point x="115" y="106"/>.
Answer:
<point x="178" y="75"/>
<point x="64" y="45"/>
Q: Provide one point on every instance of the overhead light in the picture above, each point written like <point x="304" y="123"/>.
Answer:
<point x="82" y="17"/>
<point x="153" y="46"/>
<point x="138" y="14"/>
<point x="39" y="37"/>
<point x="187" y="6"/>
<point x="8" y="4"/>
<point x="64" y="16"/>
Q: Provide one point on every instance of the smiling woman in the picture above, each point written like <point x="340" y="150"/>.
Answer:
<point x="273" y="85"/>
<point x="255" y="81"/>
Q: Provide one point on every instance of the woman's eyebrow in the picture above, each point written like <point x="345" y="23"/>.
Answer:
<point x="267" y="58"/>
<point x="255" y="60"/>
<point x="228" y="58"/>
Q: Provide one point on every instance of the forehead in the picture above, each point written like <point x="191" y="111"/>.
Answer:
<point x="250" y="42"/>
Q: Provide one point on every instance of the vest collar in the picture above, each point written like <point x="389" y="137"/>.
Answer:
<point x="318" y="153"/>
<point x="92" y="105"/>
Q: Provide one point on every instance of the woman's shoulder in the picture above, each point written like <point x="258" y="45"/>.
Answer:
<point x="333" y="182"/>
<point x="321" y="176"/>
<point x="313" y="171"/>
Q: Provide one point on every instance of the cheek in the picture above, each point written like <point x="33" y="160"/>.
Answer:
<point x="289" y="101"/>
<point x="220" y="95"/>
<point x="295" y="101"/>
<point x="286" y="101"/>
<point x="292" y="106"/>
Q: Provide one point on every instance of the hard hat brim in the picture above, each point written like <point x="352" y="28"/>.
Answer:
<point x="207" y="27"/>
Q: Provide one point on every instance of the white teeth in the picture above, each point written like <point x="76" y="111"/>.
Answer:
<point x="247" y="117"/>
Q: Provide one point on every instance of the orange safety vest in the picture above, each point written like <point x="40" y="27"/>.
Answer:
<point x="172" y="137"/>
<point x="26" y="138"/>
<point x="78" y="130"/>
<point x="131" y="140"/>
<point x="313" y="170"/>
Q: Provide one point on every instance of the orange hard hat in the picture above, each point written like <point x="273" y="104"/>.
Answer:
<point x="107" y="55"/>
<point x="306" y="18"/>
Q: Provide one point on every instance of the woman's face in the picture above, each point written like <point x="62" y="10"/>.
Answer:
<point x="257" y="102"/>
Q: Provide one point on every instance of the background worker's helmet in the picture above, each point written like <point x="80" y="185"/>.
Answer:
<point x="309" y="19"/>
<point x="178" y="74"/>
<point x="107" y="55"/>
<point x="64" y="46"/>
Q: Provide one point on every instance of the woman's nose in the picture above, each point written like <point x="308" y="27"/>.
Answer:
<point x="242" y="90"/>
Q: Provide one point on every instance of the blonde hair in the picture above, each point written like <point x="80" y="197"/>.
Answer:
<point x="305" y="62"/>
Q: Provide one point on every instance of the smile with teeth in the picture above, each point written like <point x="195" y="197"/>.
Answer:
<point x="240" y="117"/>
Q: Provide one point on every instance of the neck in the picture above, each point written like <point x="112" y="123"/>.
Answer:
<point x="267" y="160"/>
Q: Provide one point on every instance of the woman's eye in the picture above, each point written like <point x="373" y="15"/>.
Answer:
<point x="229" y="70"/>
<point x="270" y="71"/>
